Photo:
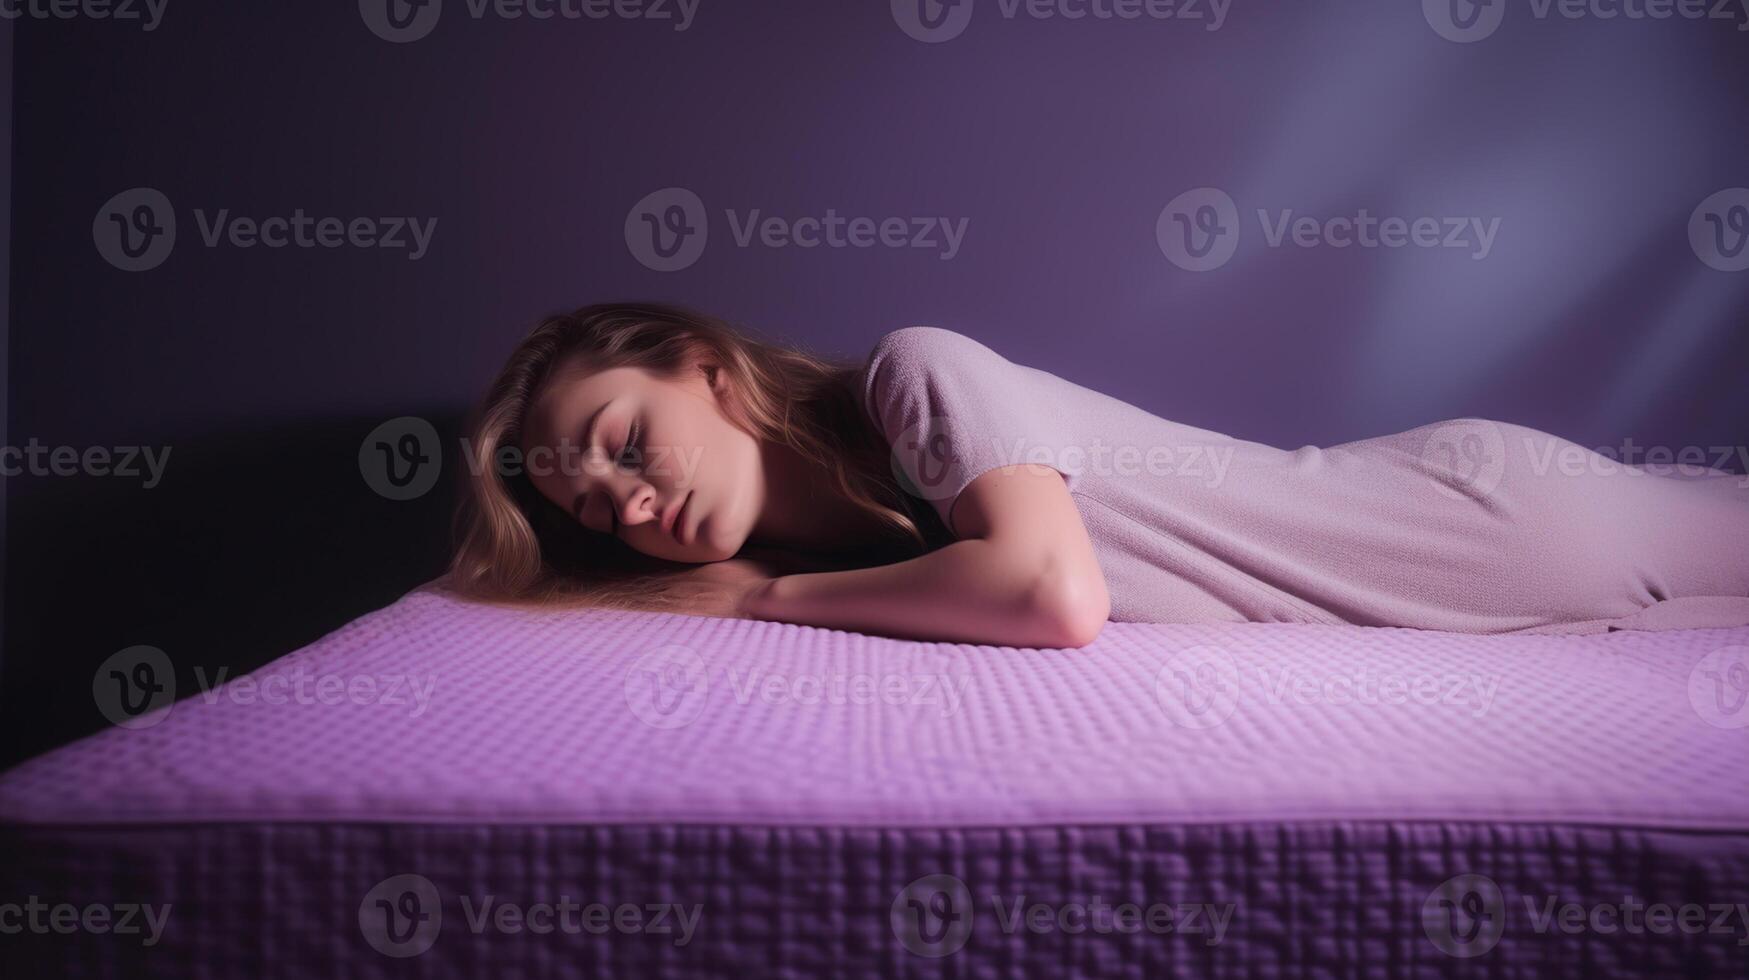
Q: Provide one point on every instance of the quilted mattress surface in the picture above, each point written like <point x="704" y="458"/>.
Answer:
<point x="446" y="789"/>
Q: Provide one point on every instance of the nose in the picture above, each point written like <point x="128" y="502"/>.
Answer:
<point x="634" y="501"/>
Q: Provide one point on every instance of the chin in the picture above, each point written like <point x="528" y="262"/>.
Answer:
<point x="719" y="549"/>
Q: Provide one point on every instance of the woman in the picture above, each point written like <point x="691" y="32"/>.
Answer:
<point x="650" y="457"/>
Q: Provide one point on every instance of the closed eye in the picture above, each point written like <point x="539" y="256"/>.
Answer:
<point x="631" y="454"/>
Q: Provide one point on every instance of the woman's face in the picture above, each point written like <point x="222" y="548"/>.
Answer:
<point x="651" y="460"/>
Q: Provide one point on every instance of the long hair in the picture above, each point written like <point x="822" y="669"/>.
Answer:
<point x="515" y="546"/>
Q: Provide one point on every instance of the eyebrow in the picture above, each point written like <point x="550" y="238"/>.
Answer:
<point x="588" y="440"/>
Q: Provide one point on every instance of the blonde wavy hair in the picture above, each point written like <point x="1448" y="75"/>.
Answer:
<point x="516" y="547"/>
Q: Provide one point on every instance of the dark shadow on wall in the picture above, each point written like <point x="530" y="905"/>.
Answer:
<point x="251" y="545"/>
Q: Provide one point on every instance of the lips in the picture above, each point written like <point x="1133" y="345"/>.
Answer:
<point x="672" y="521"/>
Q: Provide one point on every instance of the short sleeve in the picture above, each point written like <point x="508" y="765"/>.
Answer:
<point x="952" y="409"/>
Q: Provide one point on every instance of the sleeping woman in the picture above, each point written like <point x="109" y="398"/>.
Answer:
<point x="648" y="457"/>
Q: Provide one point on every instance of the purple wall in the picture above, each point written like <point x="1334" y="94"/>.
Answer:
<point x="1058" y="142"/>
<point x="5" y="284"/>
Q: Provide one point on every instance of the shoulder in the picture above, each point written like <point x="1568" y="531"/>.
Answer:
<point x="914" y="361"/>
<point x="920" y="348"/>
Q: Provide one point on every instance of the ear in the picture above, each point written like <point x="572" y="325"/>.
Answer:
<point x="717" y="380"/>
<point x="722" y="389"/>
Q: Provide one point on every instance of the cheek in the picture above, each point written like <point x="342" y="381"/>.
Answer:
<point x="710" y="453"/>
<point x="719" y="463"/>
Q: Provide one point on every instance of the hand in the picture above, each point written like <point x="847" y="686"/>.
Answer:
<point x="723" y="588"/>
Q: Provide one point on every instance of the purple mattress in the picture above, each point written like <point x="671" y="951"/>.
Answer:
<point x="440" y="789"/>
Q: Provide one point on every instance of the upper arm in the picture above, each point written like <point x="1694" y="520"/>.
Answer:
<point x="958" y="417"/>
<point x="1026" y="513"/>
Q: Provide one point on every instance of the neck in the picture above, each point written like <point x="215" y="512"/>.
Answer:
<point x="804" y="512"/>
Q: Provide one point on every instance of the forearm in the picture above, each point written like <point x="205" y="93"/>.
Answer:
<point x="974" y="590"/>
